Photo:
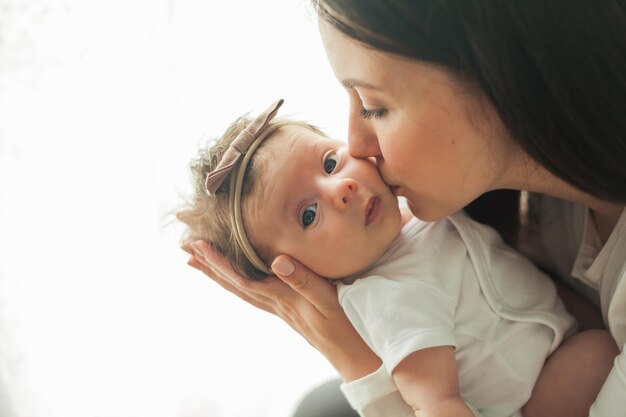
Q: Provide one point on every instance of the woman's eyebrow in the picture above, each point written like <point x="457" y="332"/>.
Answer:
<point x="351" y="83"/>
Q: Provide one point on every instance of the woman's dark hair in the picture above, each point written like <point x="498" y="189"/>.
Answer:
<point x="554" y="70"/>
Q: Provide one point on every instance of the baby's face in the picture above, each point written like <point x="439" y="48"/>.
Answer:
<point x="319" y="205"/>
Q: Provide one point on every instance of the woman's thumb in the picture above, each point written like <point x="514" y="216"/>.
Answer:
<point x="307" y="283"/>
<point x="283" y="266"/>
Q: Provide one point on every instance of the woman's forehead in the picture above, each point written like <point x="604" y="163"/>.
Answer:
<point x="358" y="65"/>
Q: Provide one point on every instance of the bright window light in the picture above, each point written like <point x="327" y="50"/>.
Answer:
<point x="103" y="104"/>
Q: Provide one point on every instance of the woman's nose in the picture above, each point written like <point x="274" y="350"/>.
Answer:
<point x="343" y="192"/>
<point x="362" y="140"/>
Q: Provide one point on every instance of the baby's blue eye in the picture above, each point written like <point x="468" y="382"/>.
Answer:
<point x="308" y="215"/>
<point x="330" y="163"/>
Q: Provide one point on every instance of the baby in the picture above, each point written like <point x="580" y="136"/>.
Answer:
<point x="462" y="323"/>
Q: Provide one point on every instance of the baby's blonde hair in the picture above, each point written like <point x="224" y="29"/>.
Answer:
<point x="208" y="216"/>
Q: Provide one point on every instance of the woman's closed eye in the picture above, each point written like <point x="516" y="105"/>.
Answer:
<point x="308" y="215"/>
<point x="372" y="114"/>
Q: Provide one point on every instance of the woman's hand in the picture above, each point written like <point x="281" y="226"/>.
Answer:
<point x="306" y="301"/>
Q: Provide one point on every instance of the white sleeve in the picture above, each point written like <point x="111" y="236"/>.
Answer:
<point x="611" y="400"/>
<point x="398" y="318"/>
<point x="376" y="395"/>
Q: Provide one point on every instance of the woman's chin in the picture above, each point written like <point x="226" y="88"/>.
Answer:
<point x="425" y="213"/>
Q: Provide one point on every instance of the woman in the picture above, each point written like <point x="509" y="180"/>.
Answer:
<point x="458" y="98"/>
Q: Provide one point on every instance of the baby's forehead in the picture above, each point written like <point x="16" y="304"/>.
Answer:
<point x="301" y="135"/>
<point x="296" y="131"/>
<point x="290" y="153"/>
<point x="285" y="141"/>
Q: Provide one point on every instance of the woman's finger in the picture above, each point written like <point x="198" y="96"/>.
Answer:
<point x="256" y="300"/>
<point x="317" y="290"/>
<point x="231" y="286"/>
<point x="271" y="287"/>
<point x="306" y="302"/>
<point x="275" y="296"/>
<point x="217" y="263"/>
<point x="271" y="294"/>
<point x="288" y="312"/>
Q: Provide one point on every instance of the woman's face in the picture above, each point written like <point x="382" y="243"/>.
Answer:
<point x="441" y="145"/>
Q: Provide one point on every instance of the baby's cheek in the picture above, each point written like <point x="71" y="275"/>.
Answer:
<point x="335" y="262"/>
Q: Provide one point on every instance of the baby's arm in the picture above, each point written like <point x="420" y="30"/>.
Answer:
<point x="428" y="380"/>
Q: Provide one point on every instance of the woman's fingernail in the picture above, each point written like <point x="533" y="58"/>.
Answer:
<point x="283" y="266"/>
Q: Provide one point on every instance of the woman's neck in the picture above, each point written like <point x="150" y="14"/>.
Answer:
<point x="538" y="180"/>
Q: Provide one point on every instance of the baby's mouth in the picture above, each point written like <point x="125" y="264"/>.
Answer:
<point x="372" y="210"/>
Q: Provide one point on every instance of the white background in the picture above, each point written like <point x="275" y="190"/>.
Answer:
<point x="102" y="105"/>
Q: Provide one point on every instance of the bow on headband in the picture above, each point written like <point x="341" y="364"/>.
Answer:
<point x="239" y="147"/>
<point x="236" y="160"/>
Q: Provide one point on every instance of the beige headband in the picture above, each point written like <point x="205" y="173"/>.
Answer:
<point x="244" y="145"/>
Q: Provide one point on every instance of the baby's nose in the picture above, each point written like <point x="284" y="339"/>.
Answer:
<point x="344" y="191"/>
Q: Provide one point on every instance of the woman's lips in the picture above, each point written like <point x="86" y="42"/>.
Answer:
<point x="372" y="210"/>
